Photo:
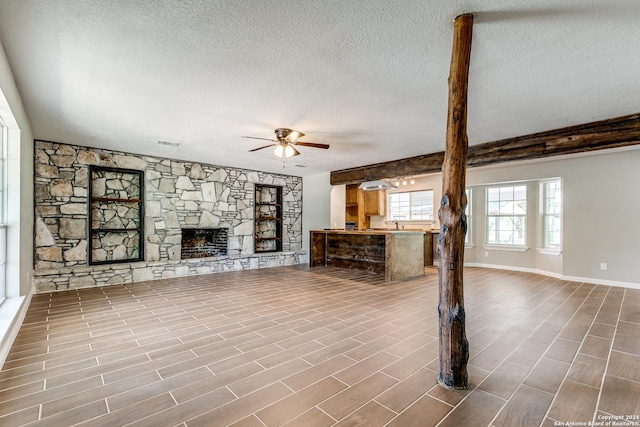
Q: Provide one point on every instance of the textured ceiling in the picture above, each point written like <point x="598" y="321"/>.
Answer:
<point x="368" y="77"/>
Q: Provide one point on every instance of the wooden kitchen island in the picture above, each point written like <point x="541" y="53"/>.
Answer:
<point x="397" y="254"/>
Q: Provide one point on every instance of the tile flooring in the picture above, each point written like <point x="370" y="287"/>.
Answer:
<point x="298" y="347"/>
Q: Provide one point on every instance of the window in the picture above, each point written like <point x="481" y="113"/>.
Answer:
<point x="467" y="212"/>
<point x="412" y="205"/>
<point x="507" y="215"/>
<point x="3" y="216"/>
<point x="552" y="214"/>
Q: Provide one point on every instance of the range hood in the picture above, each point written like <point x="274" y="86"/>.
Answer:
<point x="379" y="184"/>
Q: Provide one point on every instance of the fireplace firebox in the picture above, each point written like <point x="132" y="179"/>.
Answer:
<point x="204" y="242"/>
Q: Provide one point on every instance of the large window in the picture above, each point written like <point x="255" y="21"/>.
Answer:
<point x="552" y="214"/>
<point x="3" y="216"/>
<point x="507" y="215"/>
<point x="411" y="205"/>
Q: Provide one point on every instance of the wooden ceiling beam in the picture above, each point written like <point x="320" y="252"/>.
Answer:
<point x="604" y="134"/>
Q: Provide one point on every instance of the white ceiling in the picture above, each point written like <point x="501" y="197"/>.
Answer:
<point x="368" y="77"/>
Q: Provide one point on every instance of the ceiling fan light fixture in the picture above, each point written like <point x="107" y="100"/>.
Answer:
<point x="289" y="151"/>
<point x="279" y="150"/>
<point x="285" y="150"/>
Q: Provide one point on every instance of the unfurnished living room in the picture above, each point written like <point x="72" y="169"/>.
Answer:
<point x="265" y="213"/>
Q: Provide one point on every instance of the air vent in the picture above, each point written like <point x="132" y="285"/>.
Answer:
<point x="172" y="144"/>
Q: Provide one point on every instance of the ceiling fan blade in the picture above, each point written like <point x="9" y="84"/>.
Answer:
<point x="260" y="148"/>
<point x="312" y="144"/>
<point x="295" y="152"/>
<point x="255" y="137"/>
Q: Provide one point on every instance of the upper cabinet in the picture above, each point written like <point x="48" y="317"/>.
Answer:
<point x="375" y="202"/>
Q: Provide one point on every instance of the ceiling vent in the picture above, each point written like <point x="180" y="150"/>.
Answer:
<point x="172" y="144"/>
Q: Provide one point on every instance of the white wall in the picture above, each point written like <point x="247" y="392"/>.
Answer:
<point x="600" y="220"/>
<point x="316" y="208"/>
<point x="338" y="213"/>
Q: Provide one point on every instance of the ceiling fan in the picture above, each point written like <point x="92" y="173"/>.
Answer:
<point x="285" y="142"/>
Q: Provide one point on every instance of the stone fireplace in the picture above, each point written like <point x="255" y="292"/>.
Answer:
<point x="174" y="196"/>
<point x="203" y="242"/>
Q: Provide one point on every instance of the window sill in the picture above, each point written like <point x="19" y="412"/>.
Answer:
<point x="549" y="251"/>
<point x="510" y="248"/>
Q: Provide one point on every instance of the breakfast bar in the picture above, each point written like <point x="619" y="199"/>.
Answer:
<point x="398" y="254"/>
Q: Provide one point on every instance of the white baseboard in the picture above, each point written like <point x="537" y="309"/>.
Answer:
<point x="619" y="284"/>
<point x="12" y="313"/>
<point x="557" y="275"/>
<point x="520" y="269"/>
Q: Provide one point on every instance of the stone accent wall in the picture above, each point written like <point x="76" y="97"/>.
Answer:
<point x="178" y="195"/>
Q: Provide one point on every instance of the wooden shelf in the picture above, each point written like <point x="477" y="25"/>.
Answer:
<point x="114" y="230"/>
<point x="108" y="199"/>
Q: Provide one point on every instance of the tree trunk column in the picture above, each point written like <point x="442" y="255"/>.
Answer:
<point x="454" y="347"/>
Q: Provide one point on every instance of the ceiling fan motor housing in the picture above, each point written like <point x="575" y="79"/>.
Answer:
<point x="283" y="133"/>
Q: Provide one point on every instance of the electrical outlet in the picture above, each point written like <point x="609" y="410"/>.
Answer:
<point x="486" y="253"/>
<point x="603" y="266"/>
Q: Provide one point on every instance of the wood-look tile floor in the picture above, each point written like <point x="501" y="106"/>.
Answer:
<point x="307" y="347"/>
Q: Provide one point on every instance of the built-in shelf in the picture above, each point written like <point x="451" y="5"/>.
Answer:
<point x="268" y="218"/>
<point x="116" y="215"/>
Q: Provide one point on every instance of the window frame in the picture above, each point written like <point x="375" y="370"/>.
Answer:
<point x="468" y="238"/>
<point x="4" y="136"/>
<point x="410" y="219"/>
<point x="488" y="217"/>
<point x="544" y="215"/>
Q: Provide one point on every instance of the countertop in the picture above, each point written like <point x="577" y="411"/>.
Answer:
<point x="370" y="231"/>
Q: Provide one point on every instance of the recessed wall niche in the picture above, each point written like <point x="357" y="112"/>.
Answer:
<point x="116" y="215"/>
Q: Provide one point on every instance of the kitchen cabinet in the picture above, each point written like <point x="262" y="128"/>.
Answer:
<point x="375" y="202"/>
<point x="360" y="205"/>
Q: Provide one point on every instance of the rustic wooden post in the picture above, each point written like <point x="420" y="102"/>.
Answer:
<point x="454" y="347"/>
